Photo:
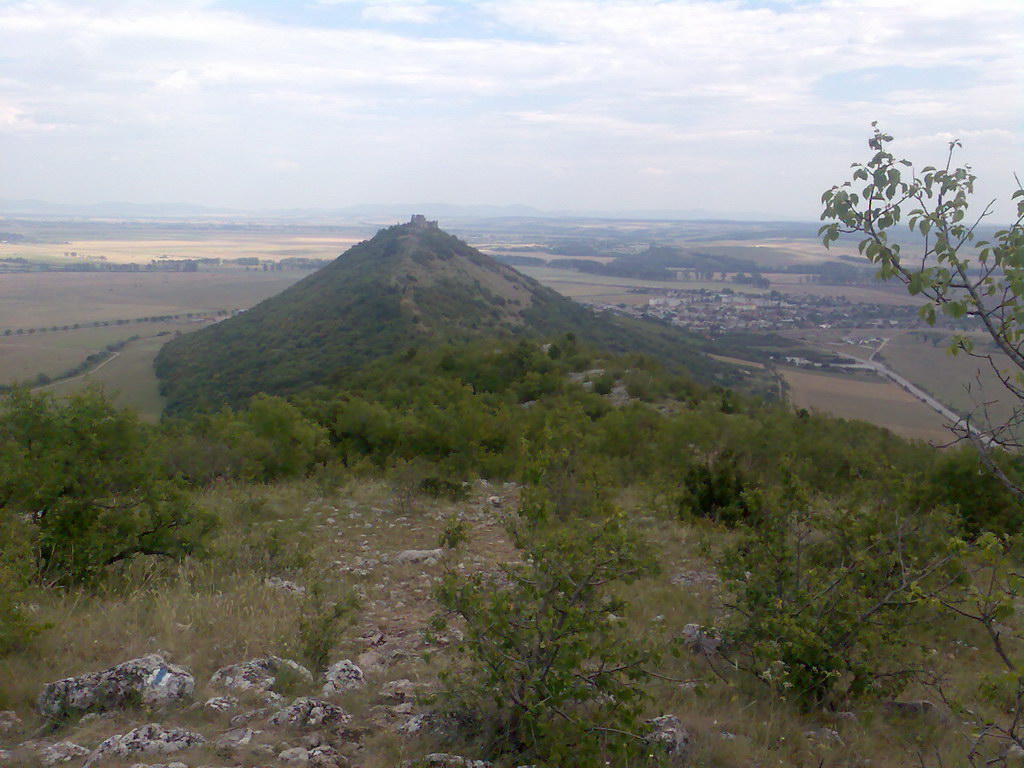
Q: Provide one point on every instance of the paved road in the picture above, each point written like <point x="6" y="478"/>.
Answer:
<point x="920" y="394"/>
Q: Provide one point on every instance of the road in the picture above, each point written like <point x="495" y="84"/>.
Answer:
<point x="908" y="386"/>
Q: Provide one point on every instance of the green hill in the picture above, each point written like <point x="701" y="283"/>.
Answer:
<point x="410" y="284"/>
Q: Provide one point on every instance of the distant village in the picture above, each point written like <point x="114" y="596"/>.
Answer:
<point x="89" y="263"/>
<point x="715" y="312"/>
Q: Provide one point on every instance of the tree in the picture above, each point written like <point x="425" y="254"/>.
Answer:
<point x="87" y="480"/>
<point x="957" y="273"/>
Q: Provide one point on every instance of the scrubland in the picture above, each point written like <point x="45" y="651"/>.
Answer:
<point x="796" y="590"/>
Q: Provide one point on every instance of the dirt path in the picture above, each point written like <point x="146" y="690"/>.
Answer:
<point x="79" y="376"/>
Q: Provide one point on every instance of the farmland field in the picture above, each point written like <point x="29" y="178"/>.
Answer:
<point x="582" y="285"/>
<point x="867" y="398"/>
<point x="832" y="339"/>
<point x="44" y="299"/>
<point x="128" y="378"/>
<point x="738" y="361"/>
<point x="499" y="252"/>
<point x="194" y="243"/>
<point x="52" y="353"/>
<point x="892" y="295"/>
<point x="961" y="382"/>
<point x="579" y="284"/>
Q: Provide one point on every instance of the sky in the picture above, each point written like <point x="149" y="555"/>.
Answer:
<point x="729" y="106"/>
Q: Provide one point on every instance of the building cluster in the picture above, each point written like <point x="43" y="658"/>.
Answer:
<point x="724" y="311"/>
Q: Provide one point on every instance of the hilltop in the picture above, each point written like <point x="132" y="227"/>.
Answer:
<point x="410" y="284"/>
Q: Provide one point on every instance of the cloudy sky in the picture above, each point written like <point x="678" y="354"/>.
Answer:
<point x="731" y="105"/>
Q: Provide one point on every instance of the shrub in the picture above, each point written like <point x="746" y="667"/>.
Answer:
<point x="17" y="627"/>
<point x="319" y="624"/>
<point x="714" y="489"/>
<point x="272" y="439"/>
<point x="553" y="674"/>
<point x="824" y="600"/>
<point x="981" y="500"/>
<point x="604" y="384"/>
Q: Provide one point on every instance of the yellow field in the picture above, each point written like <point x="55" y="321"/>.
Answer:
<point x="196" y="245"/>
<point x="868" y="399"/>
<point x="738" y="361"/>
<point x="809" y="251"/>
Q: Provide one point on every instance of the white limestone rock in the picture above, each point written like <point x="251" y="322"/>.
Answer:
<point x="148" y="679"/>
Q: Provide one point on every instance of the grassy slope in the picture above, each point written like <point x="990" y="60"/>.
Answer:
<point x="208" y="614"/>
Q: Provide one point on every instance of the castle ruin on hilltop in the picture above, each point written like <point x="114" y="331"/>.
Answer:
<point x="419" y="221"/>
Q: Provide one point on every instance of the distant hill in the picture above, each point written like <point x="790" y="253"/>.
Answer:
<point x="362" y="211"/>
<point x="410" y="284"/>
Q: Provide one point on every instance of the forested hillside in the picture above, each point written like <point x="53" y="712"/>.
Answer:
<point x="411" y="285"/>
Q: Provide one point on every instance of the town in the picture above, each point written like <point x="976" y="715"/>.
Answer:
<point x="715" y="312"/>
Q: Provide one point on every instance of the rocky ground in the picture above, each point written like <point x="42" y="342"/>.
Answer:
<point x="152" y="711"/>
<point x="201" y="667"/>
<point x="368" y="707"/>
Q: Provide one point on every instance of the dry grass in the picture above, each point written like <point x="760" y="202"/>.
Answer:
<point x="205" y="614"/>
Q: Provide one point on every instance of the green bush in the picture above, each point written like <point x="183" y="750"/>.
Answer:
<point x="982" y="502"/>
<point x="88" y="479"/>
<point x="553" y="674"/>
<point x="824" y="600"/>
<point x="319" y="625"/>
<point x="17" y="626"/>
<point x="715" y="489"/>
<point x="270" y="439"/>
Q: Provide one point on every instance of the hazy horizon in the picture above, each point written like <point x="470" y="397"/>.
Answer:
<point x="736" y="108"/>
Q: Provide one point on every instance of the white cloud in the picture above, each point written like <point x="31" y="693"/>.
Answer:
<point x="180" y="81"/>
<point x="558" y="89"/>
<point x="402" y="12"/>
